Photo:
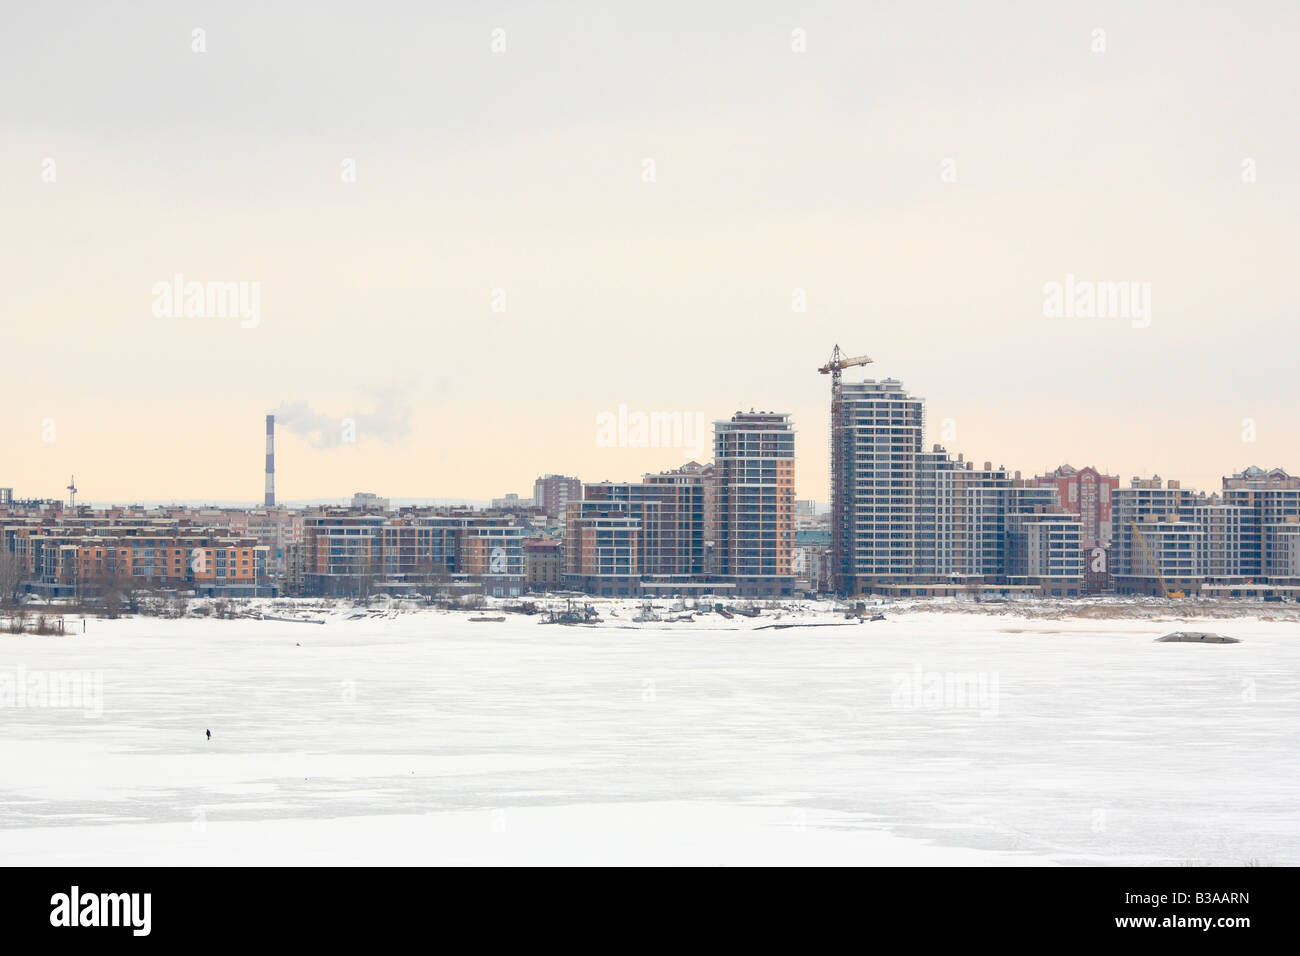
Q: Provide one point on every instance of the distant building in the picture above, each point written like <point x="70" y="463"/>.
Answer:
<point x="99" y="553"/>
<point x="810" y="561"/>
<point x="753" y="503"/>
<point x="365" y="501"/>
<point x="661" y="520"/>
<point x="1271" y="500"/>
<point x="1163" y="530"/>
<point x="552" y="493"/>
<point x="1043" y="550"/>
<point x="414" y="550"/>
<point x="913" y="523"/>
<point x="602" y="548"/>
<point x="806" y="517"/>
<point x="1087" y="493"/>
<point x="544" y="563"/>
<point x="280" y="530"/>
<point x="876" y="436"/>
<point x="959" y="518"/>
<point x="1244" y="543"/>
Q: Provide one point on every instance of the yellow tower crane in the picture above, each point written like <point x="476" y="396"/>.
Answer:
<point x="1154" y="566"/>
<point x="839" y="363"/>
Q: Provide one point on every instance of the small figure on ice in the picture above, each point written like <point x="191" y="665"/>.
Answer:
<point x="209" y="735"/>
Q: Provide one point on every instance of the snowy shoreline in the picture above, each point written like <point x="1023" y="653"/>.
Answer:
<point x="674" y="614"/>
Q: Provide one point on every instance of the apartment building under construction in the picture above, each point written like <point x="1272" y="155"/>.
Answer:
<point x="1244" y="542"/>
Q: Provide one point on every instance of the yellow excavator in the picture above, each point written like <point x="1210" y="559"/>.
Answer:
<point x="1154" y="566"/>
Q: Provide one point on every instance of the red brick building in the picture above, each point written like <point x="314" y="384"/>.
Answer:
<point x="1088" y="493"/>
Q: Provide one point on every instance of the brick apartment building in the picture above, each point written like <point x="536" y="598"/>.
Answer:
<point x="552" y="494"/>
<point x="544" y="564"/>
<point x="413" y="551"/>
<point x="83" y="555"/>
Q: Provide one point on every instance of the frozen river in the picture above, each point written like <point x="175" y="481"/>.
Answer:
<point x="425" y="738"/>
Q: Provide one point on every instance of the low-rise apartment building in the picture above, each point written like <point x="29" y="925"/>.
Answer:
<point x="413" y="551"/>
<point x="88" y="555"/>
<point x="544" y="564"/>
<point x="602" y="548"/>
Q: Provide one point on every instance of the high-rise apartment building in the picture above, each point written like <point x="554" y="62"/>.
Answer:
<point x="959" y="518"/>
<point x="753" y="503"/>
<point x="552" y="493"/>
<point x="916" y="522"/>
<point x="876" y="435"/>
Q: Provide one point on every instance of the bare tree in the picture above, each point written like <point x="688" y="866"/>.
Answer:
<point x="111" y="590"/>
<point x="13" y="572"/>
<point x="176" y="605"/>
<point x="369" y="572"/>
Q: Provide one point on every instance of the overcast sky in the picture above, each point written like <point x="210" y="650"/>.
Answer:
<point x="919" y="170"/>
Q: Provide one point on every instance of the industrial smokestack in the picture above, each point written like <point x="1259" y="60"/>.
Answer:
<point x="270" y="461"/>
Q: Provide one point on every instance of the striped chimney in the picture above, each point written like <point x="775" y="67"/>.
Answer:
<point x="270" y="461"/>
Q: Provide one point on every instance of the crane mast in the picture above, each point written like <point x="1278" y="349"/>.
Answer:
<point x="1164" y="588"/>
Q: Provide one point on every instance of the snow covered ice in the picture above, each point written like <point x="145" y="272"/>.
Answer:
<point x="423" y="737"/>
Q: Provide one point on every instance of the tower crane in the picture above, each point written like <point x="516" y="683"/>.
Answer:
<point x="838" y="363"/>
<point x="1164" y="588"/>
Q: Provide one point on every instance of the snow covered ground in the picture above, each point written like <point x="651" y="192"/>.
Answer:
<point x="926" y="738"/>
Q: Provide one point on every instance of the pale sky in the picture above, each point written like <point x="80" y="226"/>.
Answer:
<point x="525" y="171"/>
